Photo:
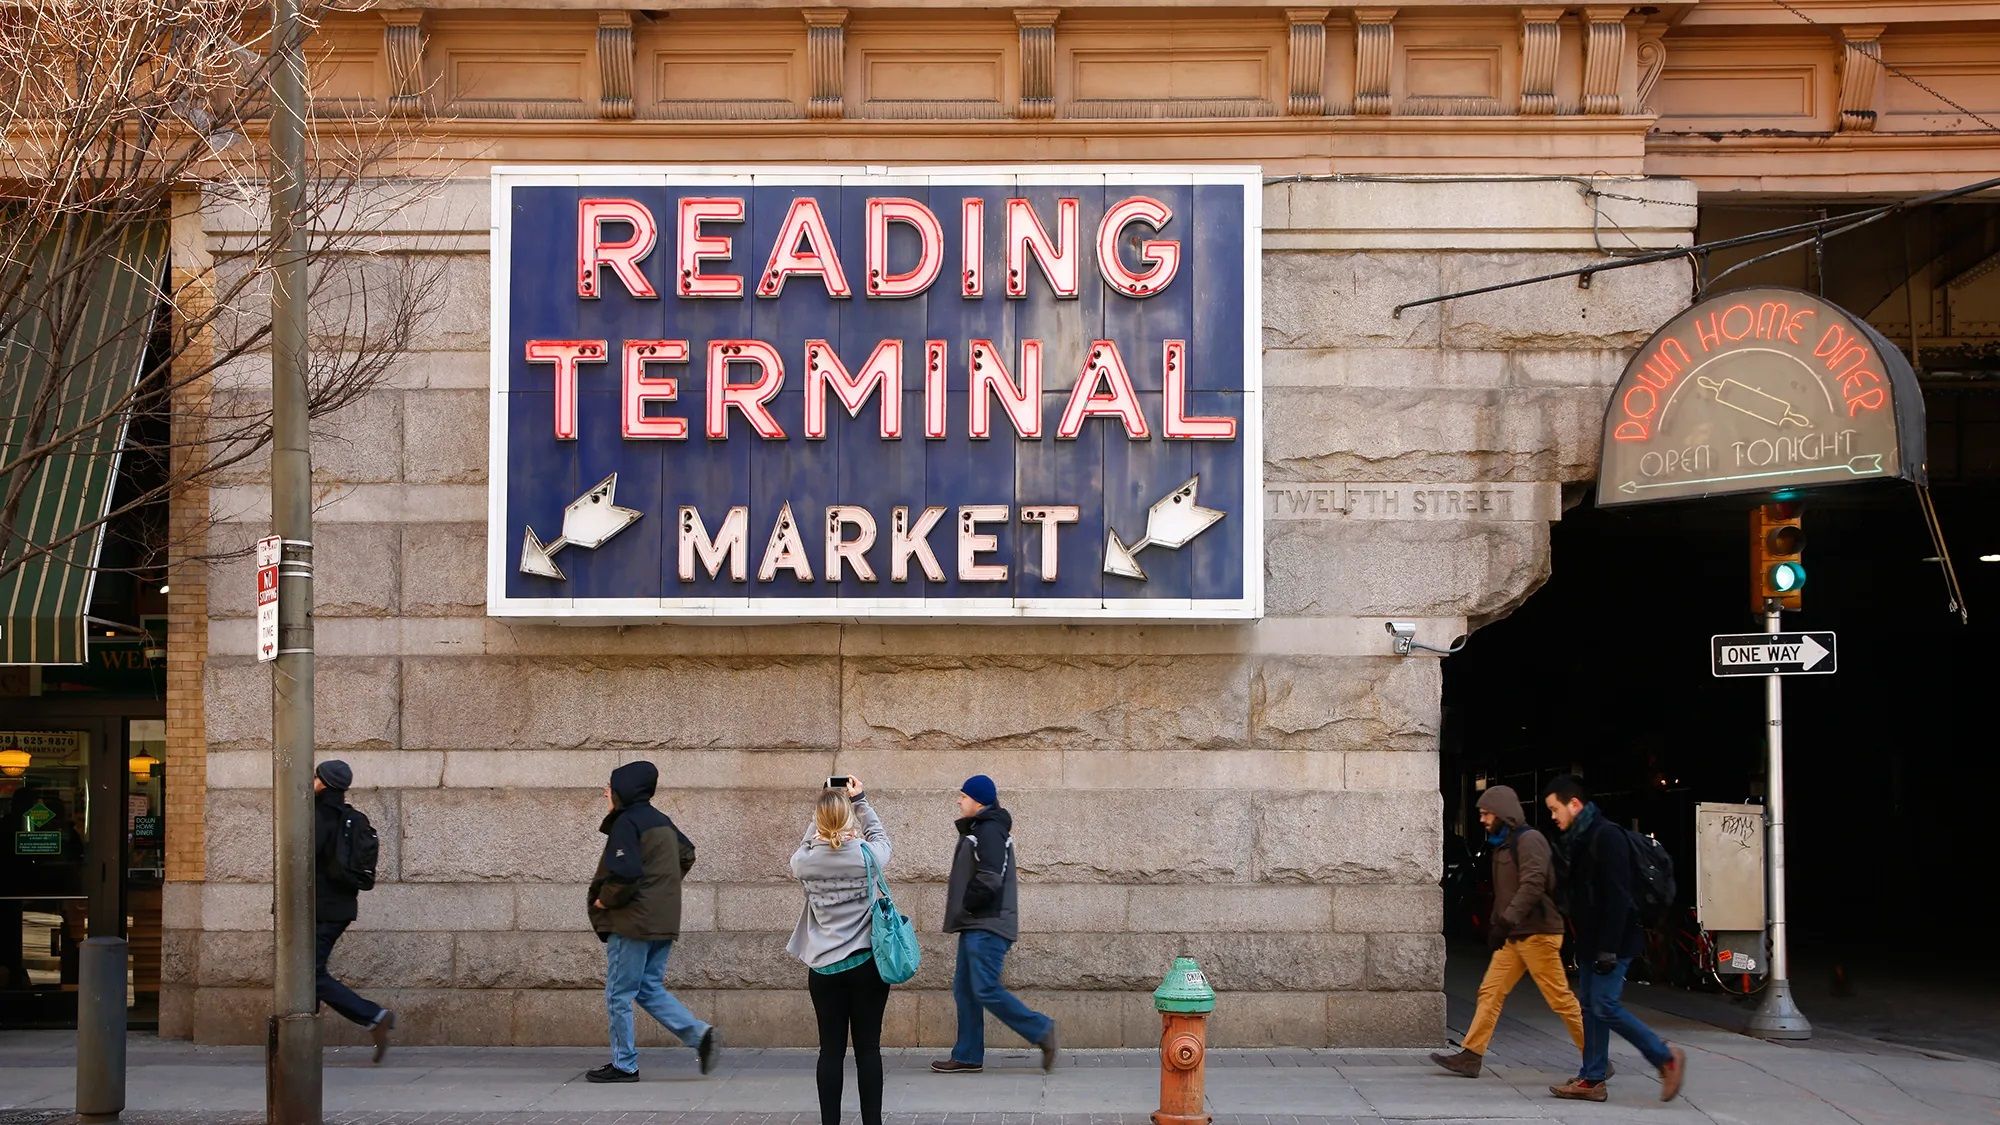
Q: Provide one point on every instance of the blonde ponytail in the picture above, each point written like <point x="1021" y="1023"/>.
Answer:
<point x="833" y="820"/>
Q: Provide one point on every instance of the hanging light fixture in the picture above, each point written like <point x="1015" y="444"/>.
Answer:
<point x="141" y="764"/>
<point x="14" y="762"/>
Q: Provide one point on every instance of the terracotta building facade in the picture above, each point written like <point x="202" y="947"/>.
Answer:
<point x="1260" y="794"/>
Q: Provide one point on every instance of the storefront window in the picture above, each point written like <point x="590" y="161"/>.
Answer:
<point x="44" y="791"/>
<point x="145" y="857"/>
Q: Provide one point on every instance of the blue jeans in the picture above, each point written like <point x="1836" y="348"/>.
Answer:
<point x="1603" y="1014"/>
<point x="977" y="989"/>
<point x="634" y="970"/>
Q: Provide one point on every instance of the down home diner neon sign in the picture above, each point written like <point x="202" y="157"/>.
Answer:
<point x="867" y="393"/>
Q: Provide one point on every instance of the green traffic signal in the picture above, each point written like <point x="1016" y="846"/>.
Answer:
<point x="1787" y="577"/>
<point x="1777" y="549"/>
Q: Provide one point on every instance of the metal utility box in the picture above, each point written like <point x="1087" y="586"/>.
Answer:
<point x="1729" y="866"/>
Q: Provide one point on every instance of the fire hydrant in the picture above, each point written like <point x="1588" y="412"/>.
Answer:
<point x="1184" y="1000"/>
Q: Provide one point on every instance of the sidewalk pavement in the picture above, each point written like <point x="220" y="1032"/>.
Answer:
<point x="1732" y="1079"/>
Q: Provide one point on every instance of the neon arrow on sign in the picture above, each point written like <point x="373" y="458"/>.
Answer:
<point x="1171" y="522"/>
<point x="588" y="521"/>
<point x="1866" y="464"/>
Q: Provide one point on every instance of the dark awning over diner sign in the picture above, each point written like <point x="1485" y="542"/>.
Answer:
<point x="1760" y="391"/>
<point x="69" y="358"/>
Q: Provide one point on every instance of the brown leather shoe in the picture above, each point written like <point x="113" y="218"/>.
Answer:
<point x="1465" y="1064"/>
<point x="1049" y="1050"/>
<point x="1672" y="1074"/>
<point x="953" y="1066"/>
<point x="379" y="1032"/>
<point x="1581" y="1090"/>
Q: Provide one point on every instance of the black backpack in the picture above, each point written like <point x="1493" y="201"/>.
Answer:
<point x="356" y="849"/>
<point x="1653" y="889"/>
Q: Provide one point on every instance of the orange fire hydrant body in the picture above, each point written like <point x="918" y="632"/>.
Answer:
<point x="1184" y="1000"/>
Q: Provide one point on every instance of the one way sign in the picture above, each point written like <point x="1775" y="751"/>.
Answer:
<point x="1774" y="654"/>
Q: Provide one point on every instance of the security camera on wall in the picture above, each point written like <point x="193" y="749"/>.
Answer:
<point x="1403" y="640"/>
<point x="1404" y="633"/>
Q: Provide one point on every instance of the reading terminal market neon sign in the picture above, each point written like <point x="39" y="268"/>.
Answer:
<point x="982" y="396"/>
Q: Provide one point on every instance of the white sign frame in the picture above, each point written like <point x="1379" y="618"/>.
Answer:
<point x="1249" y="507"/>
<point x="269" y="549"/>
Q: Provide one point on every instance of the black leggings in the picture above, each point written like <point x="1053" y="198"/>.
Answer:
<point x="844" y="1002"/>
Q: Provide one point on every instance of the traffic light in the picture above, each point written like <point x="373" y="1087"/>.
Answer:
<point x="1777" y="555"/>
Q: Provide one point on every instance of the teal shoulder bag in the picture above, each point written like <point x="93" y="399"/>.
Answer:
<point x="895" y="940"/>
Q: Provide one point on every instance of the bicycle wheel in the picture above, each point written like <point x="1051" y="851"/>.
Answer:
<point x="1689" y="951"/>
<point x="1654" y="965"/>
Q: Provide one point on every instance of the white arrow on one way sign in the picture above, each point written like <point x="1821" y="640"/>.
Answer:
<point x="1805" y="654"/>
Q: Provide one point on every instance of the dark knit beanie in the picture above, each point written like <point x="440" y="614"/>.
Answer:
<point x="335" y="773"/>
<point x="980" y="788"/>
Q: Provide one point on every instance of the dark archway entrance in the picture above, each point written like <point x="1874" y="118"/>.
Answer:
<point x="1891" y="775"/>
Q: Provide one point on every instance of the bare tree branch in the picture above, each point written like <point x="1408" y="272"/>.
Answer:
<point x="110" y="110"/>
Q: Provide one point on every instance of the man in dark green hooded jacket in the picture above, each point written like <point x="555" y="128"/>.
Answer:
<point x="635" y="907"/>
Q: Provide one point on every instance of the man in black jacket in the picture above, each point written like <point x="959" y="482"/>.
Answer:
<point x="635" y="907"/>
<point x="982" y="907"/>
<point x="336" y="904"/>
<point x="1608" y="936"/>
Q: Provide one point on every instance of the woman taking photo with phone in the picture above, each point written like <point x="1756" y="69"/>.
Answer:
<point x="834" y="940"/>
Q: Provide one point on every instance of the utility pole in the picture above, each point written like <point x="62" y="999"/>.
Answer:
<point x="1778" y="1016"/>
<point x="292" y="1061"/>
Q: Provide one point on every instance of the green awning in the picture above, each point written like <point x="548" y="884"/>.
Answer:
<point x="74" y="321"/>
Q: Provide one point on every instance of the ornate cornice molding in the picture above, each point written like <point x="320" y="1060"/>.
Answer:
<point x="1652" y="56"/>
<point x="1038" y="61"/>
<point x="614" y="65"/>
<point x="1603" y="60"/>
<point x="1860" y="64"/>
<point x="1306" y="61"/>
<point x="1374" y="52"/>
<point x="403" y="47"/>
<point x="1541" y="51"/>
<point x="826" y="55"/>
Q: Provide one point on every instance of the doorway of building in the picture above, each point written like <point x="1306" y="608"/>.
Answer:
<point x="1605" y="672"/>
<point x="81" y="853"/>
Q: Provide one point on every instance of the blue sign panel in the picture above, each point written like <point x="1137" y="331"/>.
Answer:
<point x="830" y="393"/>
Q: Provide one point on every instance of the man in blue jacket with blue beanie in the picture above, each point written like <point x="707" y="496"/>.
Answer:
<point x="982" y="907"/>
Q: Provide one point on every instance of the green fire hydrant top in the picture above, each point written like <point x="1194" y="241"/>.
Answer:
<point x="1185" y="990"/>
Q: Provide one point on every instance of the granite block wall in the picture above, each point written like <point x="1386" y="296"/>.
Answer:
<point x="1261" y="796"/>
